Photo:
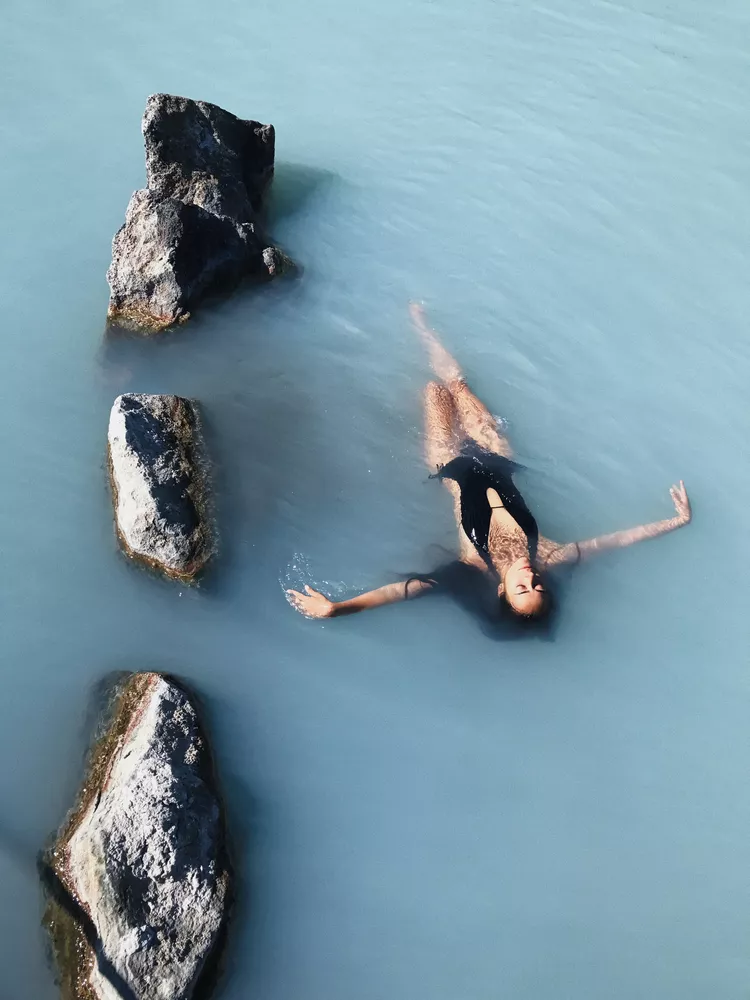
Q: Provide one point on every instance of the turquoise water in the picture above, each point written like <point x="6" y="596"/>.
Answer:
<point x="416" y="811"/>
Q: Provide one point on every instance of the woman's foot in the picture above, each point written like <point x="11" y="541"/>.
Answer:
<point x="443" y="364"/>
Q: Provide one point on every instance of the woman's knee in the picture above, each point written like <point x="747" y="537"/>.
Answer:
<point x="438" y="395"/>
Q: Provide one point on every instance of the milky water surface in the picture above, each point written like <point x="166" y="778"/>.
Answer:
<point x="416" y="811"/>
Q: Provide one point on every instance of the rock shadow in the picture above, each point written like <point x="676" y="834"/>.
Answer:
<point x="294" y="186"/>
<point x="246" y="816"/>
<point x="254" y="444"/>
<point x="73" y="910"/>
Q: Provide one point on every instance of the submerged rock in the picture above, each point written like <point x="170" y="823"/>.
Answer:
<point x="138" y="876"/>
<point x="159" y="488"/>
<point x="196" y="225"/>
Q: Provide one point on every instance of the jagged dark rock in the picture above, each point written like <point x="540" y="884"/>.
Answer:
<point x="159" y="483"/>
<point x="138" y="876"/>
<point x="195" y="227"/>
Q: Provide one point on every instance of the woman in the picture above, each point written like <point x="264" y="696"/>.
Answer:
<point x="501" y="552"/>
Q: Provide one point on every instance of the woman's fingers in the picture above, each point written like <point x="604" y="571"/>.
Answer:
<point x="312" y="604"/>
<point x="298" y="600"/>
<point x="680" y="500"/>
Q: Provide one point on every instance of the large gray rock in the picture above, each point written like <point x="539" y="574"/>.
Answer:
<point x="138" y="874"/>
<point x="195" y="227"/>
<point x="159" y="483"/>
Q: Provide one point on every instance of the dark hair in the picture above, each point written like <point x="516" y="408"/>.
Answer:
<point x="537" y="621"/>
<point x="476" y="592"/>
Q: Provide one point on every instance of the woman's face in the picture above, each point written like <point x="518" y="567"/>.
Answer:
<point x="522" y="588"/>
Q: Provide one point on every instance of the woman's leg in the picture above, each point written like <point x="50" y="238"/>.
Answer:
<point x="443" y="364"/>
<point x="443" y="439"/>
<point x="441" y="426"/>
<point x="477" y="421"/>
<point x="474" y="418"/>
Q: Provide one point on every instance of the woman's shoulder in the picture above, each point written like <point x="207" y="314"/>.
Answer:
<point x="458" y="579"/>
<point x="551" y="554"/>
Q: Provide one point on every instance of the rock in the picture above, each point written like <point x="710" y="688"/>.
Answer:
<point x="195" y="227"/>
<point x="138" y="874"/>
<point x="159" y="483"/>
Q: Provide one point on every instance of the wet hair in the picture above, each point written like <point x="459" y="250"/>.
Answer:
<point x="476" y="593"/>
<point x="537" y="620"/>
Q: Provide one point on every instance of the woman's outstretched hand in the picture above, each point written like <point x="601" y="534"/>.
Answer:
<point x="681" y="502"/>
<point x="312" y="604"/>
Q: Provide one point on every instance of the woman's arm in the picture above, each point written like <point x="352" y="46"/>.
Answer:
<point x="575" y="551"/>
<point x="312" y="604"/>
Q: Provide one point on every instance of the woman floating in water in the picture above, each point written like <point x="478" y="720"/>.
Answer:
<point x="503" y="560"/>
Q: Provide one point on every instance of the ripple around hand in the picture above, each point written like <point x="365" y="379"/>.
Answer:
<point x="299" y="574"/>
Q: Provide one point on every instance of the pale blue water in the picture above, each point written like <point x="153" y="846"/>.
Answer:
<point x="417" y="812"/>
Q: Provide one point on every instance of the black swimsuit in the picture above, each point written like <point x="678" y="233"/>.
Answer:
<point x="476" y="470"/>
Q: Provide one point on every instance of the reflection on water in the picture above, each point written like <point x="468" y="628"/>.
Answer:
<point x="416" y="810"/>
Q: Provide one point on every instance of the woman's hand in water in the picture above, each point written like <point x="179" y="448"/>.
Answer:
<point x="312" y="604"/>
<point x="681" y="503"/>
